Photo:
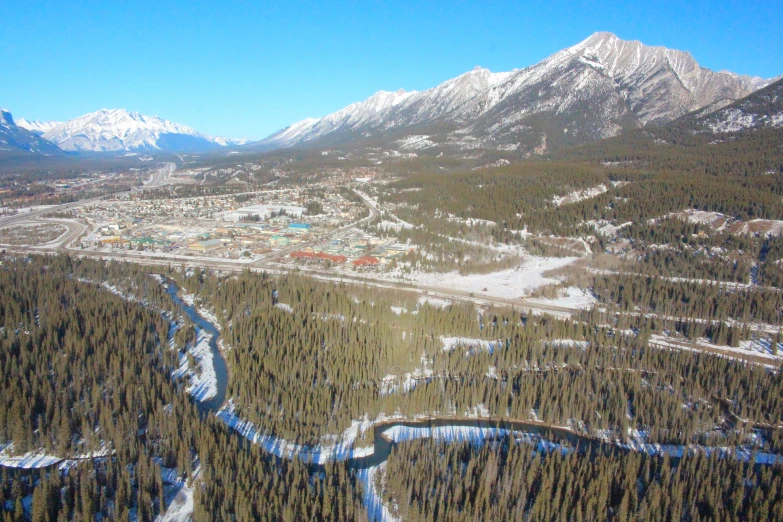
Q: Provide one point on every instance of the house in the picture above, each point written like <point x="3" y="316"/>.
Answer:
<point x="332" y="258"/>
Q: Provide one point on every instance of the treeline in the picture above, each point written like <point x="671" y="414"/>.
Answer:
<point x="684" y="299"/>
<point x="521" y="196"/>
<point x="675" y="148"/>
<point x="85" y="369"/>
<point x="240" y="482"/>
<point x="497" y="194"/>
<point x="343" y="352"/>
<point x="426" y="480"/>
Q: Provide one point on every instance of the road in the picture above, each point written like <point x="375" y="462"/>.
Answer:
<point x="30" y="216"/>
<point x="161" y="177"/>
<point x="272" y="264"/>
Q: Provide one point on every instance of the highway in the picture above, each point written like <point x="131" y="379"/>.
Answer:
<point x="162" y="176"/>
<point x="272" y="264"/>
<point x="159" y="178"/>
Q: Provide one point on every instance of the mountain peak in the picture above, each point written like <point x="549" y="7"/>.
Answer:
<point x="17" y="139"/>
<point x="5" y="117"/>
<point x="589" y="91"/>
<point x="120" y="129"/>
<point x="602" y="36"/>
<point x="37" y="127"/>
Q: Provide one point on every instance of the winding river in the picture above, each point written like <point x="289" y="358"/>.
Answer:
<point x="383" y="444"/>
<point x="221" y="370"/>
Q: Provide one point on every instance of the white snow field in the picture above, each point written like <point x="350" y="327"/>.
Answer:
<point x="512" y="283"/>
<point x="202" y="380"/>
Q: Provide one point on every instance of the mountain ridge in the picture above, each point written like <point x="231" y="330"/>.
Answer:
<point x="592" y="90"/>
<point x="110" y="130"/>
<point x="761" y="109"/>
<point x="18" y="140"/>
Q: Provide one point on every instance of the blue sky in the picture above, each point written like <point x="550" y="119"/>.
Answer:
<point x="246" y="69"/>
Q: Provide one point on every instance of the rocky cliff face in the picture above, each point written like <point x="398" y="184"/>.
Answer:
<point x="15" y="139"/>
<point x="590" y="91"/>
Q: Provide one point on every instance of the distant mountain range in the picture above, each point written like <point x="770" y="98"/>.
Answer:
<point x="593" y="90"/>
<point x="37" y="127"/>
<point x="584" y="93"/>
<point x="118" y="129"/>
<point x="18" y="140"/>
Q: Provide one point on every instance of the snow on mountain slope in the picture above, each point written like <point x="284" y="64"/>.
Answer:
<point x="660" y="83"/>
<point x="118" y="129"/>
<point x="388" y="110"/>
<point x="16" y="139"/>
<point x="37" y="127"/>
<point x="762" y="109"/>
<point x="589" y="91"/>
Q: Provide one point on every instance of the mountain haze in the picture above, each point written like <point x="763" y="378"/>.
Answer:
<point x="37" y="127"/>
<point x="18" y="140"/>
<point x="118" y="129"/>
<point x="587" y="92"/>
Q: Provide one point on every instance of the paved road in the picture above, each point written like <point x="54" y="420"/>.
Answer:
<point x="30" y="216"/>
<point x="160" y="177"/>
<point x="272" y="265"/>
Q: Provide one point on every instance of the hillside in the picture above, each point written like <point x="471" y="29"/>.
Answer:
<point x="593" y="90"/>
<point x="17" y="141"/>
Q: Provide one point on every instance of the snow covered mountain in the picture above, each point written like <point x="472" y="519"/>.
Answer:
<point x="762" y="109"/>
<point x="118" y="129"/>
<point x="37" y="127"/>
<point x="15" y="139"/>
<point x="590" y="91"/>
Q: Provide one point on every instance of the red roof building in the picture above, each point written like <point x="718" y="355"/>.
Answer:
<point x="366" y="261"/>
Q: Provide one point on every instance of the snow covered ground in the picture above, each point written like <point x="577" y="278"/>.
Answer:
<point x="470" y="434"/>
<point x="507" y="284"/>
<point x="415" y="142"/>
<point x="434" y="301"/>
<point x="393" y="383"/>
<point x="450" y="343"/>
<point x="342" y="449"/>
<point x="572" y="297"/>
<point x="754" y="347"/>
<point x="285" y="307"/>
<point x="179" y="497"/>
<point x="29" y="460"/>
<point x="393" y="225"/>
<point x="261" y="210"/>
<point x="203" y="381"/>
<point x="742" y="454"/>
<point x="40" y="459"/>
<point x="579" y="195"/>
<point x="377" y="511"/>
<point x="567" y="343"/>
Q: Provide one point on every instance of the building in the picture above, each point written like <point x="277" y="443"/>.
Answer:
<point x="299" y="226"/>
<point x="279" y="240"/>
<point x="206" y="246"/>
<point x="366" y="261"/>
